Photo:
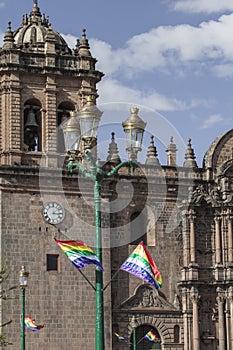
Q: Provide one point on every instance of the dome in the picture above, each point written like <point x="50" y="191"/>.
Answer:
<point x="34" y="31"/>
<point x="219" y="151"/>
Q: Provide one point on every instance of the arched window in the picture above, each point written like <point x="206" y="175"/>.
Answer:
<point x="176" y="334"/>
<point x="138" y="228"/>
<point x="32" y="126"/>
<point x="143" y="343"/>
<point x="63" y="113"/>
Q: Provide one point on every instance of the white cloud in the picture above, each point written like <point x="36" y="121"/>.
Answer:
<point x="1" y="38"/>
<point x="70" y="40"/>
<point x="224" y="70"/>
<point x="182" y="43"/>
<point x="207" y="6"/>
<point x="211" y="121"/>
<point x="169" y="48"/>
<point x="2" y="4"/>
<point x="112" y="91"/>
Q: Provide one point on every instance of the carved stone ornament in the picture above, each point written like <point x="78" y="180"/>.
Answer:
<point x="147" y="297"/>
<point x="215" y="194"/>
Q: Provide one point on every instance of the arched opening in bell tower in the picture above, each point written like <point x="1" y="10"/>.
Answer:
<point x="63" y="113"/>
<point x="32" y="130"/>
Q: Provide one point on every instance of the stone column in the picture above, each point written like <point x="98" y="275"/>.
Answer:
<point x="50" y="120"/>
<point x="229" y="235"/>
<point x="186" y="318"/>
<point x="192" y="236"/>
<point x="228" y="327"/>
<point x="217" y="240"/>
<point x="221" y="320"/>
<point x="194" y="296"/>
<point x="186" y="240"/>
<point x="230" y="298"/>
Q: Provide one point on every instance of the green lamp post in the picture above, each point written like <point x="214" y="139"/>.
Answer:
<point x="134" y="325"/>
<point x="23" y="280"/>
<point x="89" y="117"/>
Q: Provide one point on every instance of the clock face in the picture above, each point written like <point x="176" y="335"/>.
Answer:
<point x="53" y="213"/>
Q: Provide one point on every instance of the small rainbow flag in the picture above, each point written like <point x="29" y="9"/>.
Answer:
<point x="30" y="324"/>
<point x="79" y="253"/>
<point x="151" y="337"/>
<point x="141" y="264"/>
<point x="120" y="338"/>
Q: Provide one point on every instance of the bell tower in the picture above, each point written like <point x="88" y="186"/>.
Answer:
<point x="42" y="80"/>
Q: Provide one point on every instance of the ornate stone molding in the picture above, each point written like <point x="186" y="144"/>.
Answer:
<point x="147" y="298"/>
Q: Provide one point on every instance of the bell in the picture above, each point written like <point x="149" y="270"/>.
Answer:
<point x="31" y="120"/>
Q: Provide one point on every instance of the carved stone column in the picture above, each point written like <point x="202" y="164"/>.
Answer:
<point x="229" y="235"/>
<point x="221" y="320"/>
<point x="192" y="236"/>
<point x="186" y="318"/>
<point x="218" y="257"/>
<point x="186" y="240"/>
<point x="228" y="326"/>
<point x="194" y="296"/>
<point x="230" y="298"/>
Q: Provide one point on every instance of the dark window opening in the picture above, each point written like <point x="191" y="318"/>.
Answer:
<point x="52" y="262"/>
<point x="176" y="334"/>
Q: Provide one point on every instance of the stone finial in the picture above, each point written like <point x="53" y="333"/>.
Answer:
<point x="190" y="157"/>
<point x="35" y="14"/>
<point x="76" y="50"/>
<point x="8" y="38"/>
<point x="84" y="48"/>
<point x="152" y="154"/>
<point x="35" y="6"/>
<point x="171" y="153"/>
<point x="113" y="155"/>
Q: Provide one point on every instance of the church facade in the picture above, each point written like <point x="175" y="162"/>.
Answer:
<point x="183" y="214"/>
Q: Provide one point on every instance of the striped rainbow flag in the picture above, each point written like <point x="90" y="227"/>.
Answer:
<point x="120" y="338"/>
<point x="141" y="264"/>
<point x="151" y="337"/>
<point x="30" y="324"/>
<point x="79" y="253"/>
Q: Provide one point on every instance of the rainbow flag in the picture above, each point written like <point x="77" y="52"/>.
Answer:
<point x="141" y="264"/>
<point x="30" y="324"/>
<point x="120" y="338"/>
<point x="79" y="253"/>
<point x="151" y="337"/>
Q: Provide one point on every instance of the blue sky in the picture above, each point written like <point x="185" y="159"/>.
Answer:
<point x="171" y="58"/>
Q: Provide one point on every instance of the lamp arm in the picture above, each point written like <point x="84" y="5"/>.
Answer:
<point x="83" y="170"/>
<point x="115" y="170"/>
<point x="90" y="158"/>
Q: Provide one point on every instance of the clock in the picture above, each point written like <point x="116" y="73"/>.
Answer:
<point x="53" y="213"/>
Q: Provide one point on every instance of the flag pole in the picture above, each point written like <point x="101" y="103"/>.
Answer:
<point x="114" y="275"/>
<point x="88" y="281"/>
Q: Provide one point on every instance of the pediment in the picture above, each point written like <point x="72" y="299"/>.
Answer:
<point x="147" y="298"/>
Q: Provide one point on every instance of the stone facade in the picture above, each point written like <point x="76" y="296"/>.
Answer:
<point x="182" y="213"/>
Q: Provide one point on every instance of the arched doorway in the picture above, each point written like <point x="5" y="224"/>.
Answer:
<point x="142" y="343"/>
